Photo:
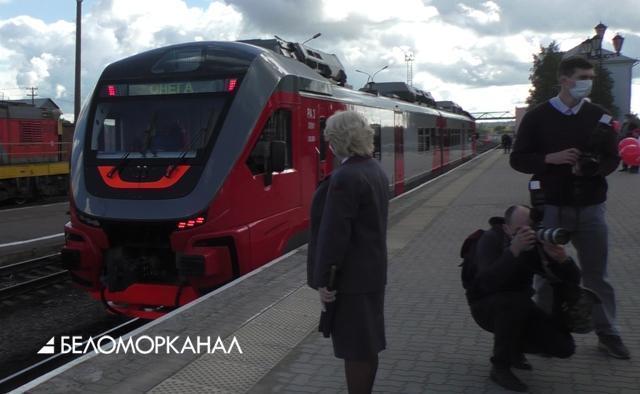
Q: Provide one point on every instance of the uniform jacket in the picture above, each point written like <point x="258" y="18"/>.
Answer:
<point x="351" y="233"/>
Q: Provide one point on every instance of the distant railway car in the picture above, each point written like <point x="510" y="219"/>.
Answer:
<point x="196" y="163"/>
<point x="32" y="162"/>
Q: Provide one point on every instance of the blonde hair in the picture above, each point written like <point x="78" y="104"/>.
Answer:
<point x="349" y="134"/>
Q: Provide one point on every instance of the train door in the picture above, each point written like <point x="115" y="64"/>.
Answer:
<point x="398" y="143"/>
<point x="275" y="192"/>
<point x="321" y="147"/>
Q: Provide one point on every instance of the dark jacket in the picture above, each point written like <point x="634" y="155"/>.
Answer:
<point x="352" y="229"/>
<point x="315" y="216"/>
<point x="545" y="130"/>
<point x="498" y="270"/>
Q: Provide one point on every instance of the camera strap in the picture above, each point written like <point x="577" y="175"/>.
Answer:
<point x="548" y="274"/>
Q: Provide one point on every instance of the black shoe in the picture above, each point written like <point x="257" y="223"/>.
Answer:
<point x="522" y="363"/>
<point x="506" y="379"/>
<point x="622" y="170"/>
<point x="613" y="346"/>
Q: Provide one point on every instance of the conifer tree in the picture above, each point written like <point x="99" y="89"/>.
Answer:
<point x="543" y="76"/>
<point x="602" y="88"/>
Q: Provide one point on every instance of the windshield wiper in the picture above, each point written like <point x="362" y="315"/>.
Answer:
<point x="184" y="153"/>
<point x="149" y="135"/>
<point x="119" y="166"/>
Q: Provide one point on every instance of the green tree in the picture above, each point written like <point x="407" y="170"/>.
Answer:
<point x="543" y="76"/>
<point x="602" y="88"/>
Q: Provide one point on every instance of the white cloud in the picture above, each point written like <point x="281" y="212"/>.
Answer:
<point x="60" y="91"/>
<point x="34" y="53"/>
<point x="489" y="13"/>
<point x="378" y="10"/>
<point x="464" y="51"/>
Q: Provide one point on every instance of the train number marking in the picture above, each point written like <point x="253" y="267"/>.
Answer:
<point x="311" y="113"/>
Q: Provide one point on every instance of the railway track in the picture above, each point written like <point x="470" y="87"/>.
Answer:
<point x="26" y="276"/>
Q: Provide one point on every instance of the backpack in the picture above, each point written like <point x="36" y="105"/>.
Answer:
<point x="467" y="251"/>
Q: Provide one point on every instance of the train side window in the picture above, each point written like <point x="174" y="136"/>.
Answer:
<point x="277" y="128"/>
<point x="424" y="140"/>
<point x="376" y="141"/>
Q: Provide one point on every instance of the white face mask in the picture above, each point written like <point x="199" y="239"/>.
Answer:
<point x="582" y="89"/>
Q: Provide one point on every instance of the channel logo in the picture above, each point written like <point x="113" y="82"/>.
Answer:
<point x="49" y="348"/>
<point x="141" y="345"/>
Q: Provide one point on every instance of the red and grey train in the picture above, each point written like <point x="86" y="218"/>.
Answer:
<point x="196" y="163"/>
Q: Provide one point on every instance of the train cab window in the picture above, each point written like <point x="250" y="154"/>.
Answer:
<point x="277" y="128"/>
<point x="154" y="128"/>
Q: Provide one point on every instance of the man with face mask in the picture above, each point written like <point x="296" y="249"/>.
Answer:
<point x="506" y="258"/>
<point x="555" y="140"/>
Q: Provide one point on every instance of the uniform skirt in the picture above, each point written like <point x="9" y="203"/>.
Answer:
<point x="358" y="326"/>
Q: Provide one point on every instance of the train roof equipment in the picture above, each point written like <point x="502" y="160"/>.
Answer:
<point x="326" y="64"/>
<point x="400" y="90"/>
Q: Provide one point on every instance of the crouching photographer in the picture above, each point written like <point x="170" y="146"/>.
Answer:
<point x="505" y="258"/>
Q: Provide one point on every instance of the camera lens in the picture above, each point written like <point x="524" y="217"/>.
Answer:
<point x="557" y="236"/>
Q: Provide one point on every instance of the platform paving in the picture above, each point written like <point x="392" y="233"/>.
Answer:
<point x="433" y="344"/>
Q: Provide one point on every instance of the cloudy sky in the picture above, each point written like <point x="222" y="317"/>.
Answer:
<point x="477" y="53"/>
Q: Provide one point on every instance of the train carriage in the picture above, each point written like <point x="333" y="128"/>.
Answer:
<point x="196" y="163"/>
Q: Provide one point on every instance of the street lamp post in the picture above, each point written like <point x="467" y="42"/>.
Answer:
<point x="365" y="73"/>
<point x="374" y="74"/>
<point x="76" y="99"/>
<point x="593" y="46"/>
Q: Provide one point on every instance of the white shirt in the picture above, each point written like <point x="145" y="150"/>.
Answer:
<point x="563" y="108"/>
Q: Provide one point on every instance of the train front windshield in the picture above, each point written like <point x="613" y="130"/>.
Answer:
<point x="164" y="120"/>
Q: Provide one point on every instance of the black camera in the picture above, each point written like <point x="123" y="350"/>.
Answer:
<point x="589" y="164"/>
<point x="589" y="160"/>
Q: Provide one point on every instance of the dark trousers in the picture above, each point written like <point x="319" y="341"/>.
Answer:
<point x="520" y="326"/>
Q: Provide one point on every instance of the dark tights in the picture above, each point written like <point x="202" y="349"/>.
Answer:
<point x="361" y="374"/>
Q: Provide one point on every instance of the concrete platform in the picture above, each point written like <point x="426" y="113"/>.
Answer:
<point x="433" y="344"/>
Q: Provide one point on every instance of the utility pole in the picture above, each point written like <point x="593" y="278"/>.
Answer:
<point x="33" y="94"/>
<point x="408" y="58"/>
<point x="76" y="98"/>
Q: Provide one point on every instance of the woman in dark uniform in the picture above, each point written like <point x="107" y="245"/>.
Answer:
<point x="348" y="231"/>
